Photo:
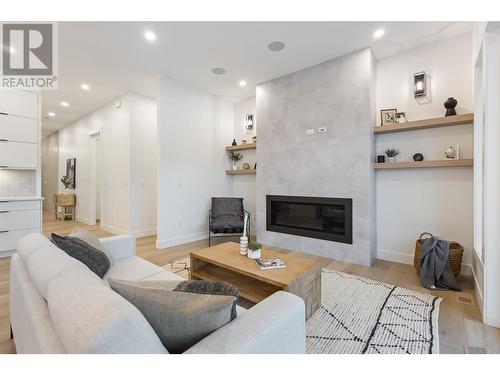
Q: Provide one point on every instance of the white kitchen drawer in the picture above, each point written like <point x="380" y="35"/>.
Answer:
<point x="18" y="155"/>
<point x="14" y="220"/>
<point x="13" y="205"/>
<point x="19" y="129"/>
<point x="8" y="239"/>
<point x="19" y="103"/>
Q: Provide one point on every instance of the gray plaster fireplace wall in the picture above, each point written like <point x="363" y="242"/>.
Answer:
<point x="340" y="95"/>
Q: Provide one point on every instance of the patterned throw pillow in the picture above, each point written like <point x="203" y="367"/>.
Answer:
<point x="96" y="260"/>
<point x="181" y="313"/>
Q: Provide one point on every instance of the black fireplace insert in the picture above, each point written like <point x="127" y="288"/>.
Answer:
<point x="316" y="217"/>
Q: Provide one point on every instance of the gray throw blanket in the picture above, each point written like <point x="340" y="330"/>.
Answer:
<point x="435" y="271"/>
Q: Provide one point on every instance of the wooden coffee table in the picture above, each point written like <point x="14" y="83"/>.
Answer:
<point x="301" y="277"/>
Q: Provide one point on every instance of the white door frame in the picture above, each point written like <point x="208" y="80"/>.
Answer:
<point x="92" y="177"/>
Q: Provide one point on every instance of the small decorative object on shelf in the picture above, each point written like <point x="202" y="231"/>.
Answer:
<point x="254" y="250"/>
<point x="255" y="166"/>
<point x="401" y="117"/>
<point x="246" y="166"/>
<point x="380" y="159"/>
<point x="388" y="116"/>
<point x="450" y="105"/>
<point x="67" y="182"/>
<point x="243" y="141"/>
<point x="452" y="153"/>
<point x="235" y="158"/>
<point x="391" y="154"/>
<point x="418" y="157"/>
<point x="254" y="139"/>
<point x="234" y="143"/>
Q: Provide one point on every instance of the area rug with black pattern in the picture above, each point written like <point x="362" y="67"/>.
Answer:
<point x="359" y="315"/>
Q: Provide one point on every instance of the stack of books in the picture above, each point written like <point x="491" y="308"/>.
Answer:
<point x="270" y="263"/>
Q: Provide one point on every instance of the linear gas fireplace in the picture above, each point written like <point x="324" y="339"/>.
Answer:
<point x="323" y="218"/>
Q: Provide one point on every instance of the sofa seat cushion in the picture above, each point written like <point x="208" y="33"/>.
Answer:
<point x="133" y="269"/>
<point x="227" y="224"/>
<point x="90" y="318"/>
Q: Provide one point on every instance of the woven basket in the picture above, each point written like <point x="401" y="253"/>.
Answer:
<point x="455" y="258"/>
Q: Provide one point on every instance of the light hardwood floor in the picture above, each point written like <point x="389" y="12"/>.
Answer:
<point x="460" y="326"/>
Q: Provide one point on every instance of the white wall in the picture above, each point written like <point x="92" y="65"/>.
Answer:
<point x="435" y="200"/>
<point x="50" y="170"/>
<point x="244" y="186"/>
<point x="194" y="127"/>
<point x="118" y="149"/>
<point x="143" y="164"/>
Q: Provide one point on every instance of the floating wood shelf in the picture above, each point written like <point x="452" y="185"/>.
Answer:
<point x="248" y="146"/>
<point x="425" y="164"/>
<point x="241" y="171"/>
<point x="438" y="122"/>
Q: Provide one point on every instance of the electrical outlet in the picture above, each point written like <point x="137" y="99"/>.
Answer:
<point x="310" y="132"/>
<point x="322" y="129"/>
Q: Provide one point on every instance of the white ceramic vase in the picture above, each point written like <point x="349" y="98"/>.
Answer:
<point x="235" y="165"/>
<point x="243" y="246"/>
<point x="391" y="160"/>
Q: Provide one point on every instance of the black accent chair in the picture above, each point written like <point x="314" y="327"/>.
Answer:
<point x="226" y="218"/>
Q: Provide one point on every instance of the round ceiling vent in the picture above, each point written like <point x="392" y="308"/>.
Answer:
<point x="219" y="71"/>
<point x="276" y="46"/>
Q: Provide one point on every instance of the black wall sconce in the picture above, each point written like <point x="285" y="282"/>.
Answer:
<point x="419" y="85"/>
<point x="249" y="122"/>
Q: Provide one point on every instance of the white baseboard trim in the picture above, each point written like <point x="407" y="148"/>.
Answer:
<point x="181" y="240"/>
<point x="143" y="232"/>
<point x="8" y="253"/>
<point x="137" y="233"/>
<point x="393" y="256"/>
<point x="83" y="220"/>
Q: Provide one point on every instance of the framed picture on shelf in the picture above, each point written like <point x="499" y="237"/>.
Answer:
<point x="401" y="118"/>
<point x="388" y="116"/>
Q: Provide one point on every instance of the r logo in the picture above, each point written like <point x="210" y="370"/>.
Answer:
<point x="28" y="49"/>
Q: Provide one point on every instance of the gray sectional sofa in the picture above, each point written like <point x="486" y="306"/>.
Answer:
<point x="57" y="305"/>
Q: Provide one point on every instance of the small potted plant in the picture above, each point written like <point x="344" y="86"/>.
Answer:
<point x="66" y="181"/>
<point x="391" y="154"/>
<point x="254" y="250"/>
<point x="235" y="158"/>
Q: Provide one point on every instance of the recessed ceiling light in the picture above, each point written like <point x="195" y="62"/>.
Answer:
<point x="65" y="104"/>
<point x="379" y="33"/>
<point x="276" y="46"/>
<point x="243" y="83"/>
<point x="85" y="87"/>
<point x="149" y="35"/>
<point x="51" y="114"/>
<point x="219" y="71"/>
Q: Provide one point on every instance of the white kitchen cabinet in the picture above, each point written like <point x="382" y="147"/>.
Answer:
<point x="18" y="129"/>
<point x="18" y="218"/>
<point x="18" y="155"/>
<point x="19" y="103"/>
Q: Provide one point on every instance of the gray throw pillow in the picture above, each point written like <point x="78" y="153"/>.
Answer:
<point x="89" y="238"/>
<point x="96" y="260"/>
<point x="181" y="313"/>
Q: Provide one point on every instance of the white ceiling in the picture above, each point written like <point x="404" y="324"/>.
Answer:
<point x="114" y="57"/>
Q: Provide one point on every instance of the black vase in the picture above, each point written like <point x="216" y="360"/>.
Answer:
<point x="450" y="105"/>
<point x="234" y="142"/>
